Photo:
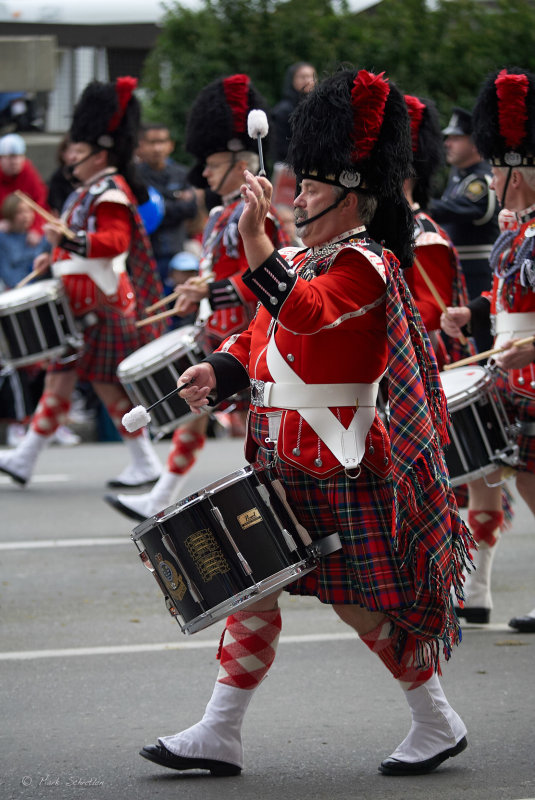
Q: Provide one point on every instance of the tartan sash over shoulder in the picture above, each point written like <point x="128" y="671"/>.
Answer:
<point x="418" y="432"/>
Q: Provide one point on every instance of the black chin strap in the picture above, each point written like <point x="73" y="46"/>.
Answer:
<point x="227" y="173"/>
<point x="68" y="169"/>
<point x="334" y="205"/>
<point x="506" y="186"/>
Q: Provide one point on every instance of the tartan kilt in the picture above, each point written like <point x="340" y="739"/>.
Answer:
<point x="106" y="343"/>
<point x="521" y="408"/>
<point x="367" y="571"/>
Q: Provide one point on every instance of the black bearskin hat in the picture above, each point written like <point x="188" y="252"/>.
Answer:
<point x="504" y="118"/>
<point x="217" y="121"/>
<point x="107" y="116"/>
<point x="427" y="145"/>
<point x="352" y="130"/>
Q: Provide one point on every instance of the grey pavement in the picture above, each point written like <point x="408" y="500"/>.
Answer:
<point x="93" y="667"/>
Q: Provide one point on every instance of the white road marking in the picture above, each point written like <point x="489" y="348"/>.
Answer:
<point x="44" y="543"/>
<point x="200" y="644"/>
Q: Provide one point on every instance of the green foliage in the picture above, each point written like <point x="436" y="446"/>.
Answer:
<point x="442" y="50"/>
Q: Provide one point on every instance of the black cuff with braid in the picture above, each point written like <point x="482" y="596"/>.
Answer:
<point x="271" y="282"/>
<point x="77" y="245"/>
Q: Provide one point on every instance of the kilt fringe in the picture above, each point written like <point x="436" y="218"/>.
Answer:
<point x="437" y="557"/>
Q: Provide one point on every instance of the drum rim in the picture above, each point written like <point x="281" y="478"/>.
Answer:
<point x="192" y="499"/>
<point x="49" y="289"/>
<point x="464" y="397"/>
<point x="127" y="372"/>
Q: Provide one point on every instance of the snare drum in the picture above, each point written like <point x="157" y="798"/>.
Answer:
<point x="36" y="324"/>
<point x="481" y="436"/>
<point x="151" y="372"/>
<point x="222" y="548"/>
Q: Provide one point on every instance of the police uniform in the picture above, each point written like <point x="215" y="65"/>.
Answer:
<point x="468" y="212"/>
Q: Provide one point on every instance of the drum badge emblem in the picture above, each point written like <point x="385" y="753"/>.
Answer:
<point x="172" y="579"/>
<point x="249" y="518"/>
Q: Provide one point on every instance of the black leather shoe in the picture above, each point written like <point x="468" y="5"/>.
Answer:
<point x="523" y="624"/>
<point x="162" y="756"/>
<point x="475" y="614"/>
<point x="128" y="512"/>
<point x="115" y="483"/>
<point x="392" y="766"/>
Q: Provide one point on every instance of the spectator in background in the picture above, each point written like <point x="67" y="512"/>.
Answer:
<point x="17" y="248"/>
<point x="18" y="173"/>
<point x="467" y="210"/>
<point x="157" y="169"/>
<point x="298" y="81"/>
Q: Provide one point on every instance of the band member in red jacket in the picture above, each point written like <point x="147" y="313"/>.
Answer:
<point x="504" y="130"/>
<point x="108" y="274"/>
<point x="333" y="318"/>
<point x="217" y="136"/>
<point x="435" y="257"/>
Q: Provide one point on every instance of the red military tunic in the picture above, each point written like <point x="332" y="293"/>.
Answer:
<point x="108" y="274"/>
<point x="313" y="323"/>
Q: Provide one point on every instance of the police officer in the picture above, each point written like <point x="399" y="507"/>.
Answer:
<point x="467" y="209"/>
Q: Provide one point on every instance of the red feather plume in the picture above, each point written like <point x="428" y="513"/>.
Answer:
<point x="124" y="88"/>
<point x="511" y="91"/>
<point x="236" y="89"/>
<point x="416" y="109"/>
<point x="368" y="98"/>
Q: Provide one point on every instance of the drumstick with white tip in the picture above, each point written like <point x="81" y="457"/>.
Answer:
<point x="138" y="417"/>
<point x="432" y="288"/>
<point x="487" y="353"/>
<point x="257" y="128"/>
<point x="45" y="214"/>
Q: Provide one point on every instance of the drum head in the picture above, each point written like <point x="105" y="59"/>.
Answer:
<point x="463" y="382"/>
<point x="158" y="352"/>
<point x="28" y="295"/>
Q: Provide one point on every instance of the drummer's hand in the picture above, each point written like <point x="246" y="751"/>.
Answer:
<point x="54" y="233"/>
<point x="453" y="319"/>
<point x="256" y="193"/>
<point x="196" y="395"/>
<point x="41" y="262"/>
<point x="515" y="357"/>
<point x="190" y="295"/>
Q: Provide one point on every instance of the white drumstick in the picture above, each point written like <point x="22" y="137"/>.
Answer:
<point x="138" y="417"/>
<point x="257" y="128"/>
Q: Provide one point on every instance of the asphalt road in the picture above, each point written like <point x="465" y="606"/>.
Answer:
<point x="92" y="666"/>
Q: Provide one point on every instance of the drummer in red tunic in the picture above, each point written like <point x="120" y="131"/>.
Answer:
<point x="108" y="274"/>
<point x="217" y="135"/>
<point x="435" y="255"/>
<point x="333" y="317"/>
<point x="504" y="131"/>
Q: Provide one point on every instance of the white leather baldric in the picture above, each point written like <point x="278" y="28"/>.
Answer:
<point x="513" y="326"/>
<point x="102" y="271"/>
<point x="346" y="444"/>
